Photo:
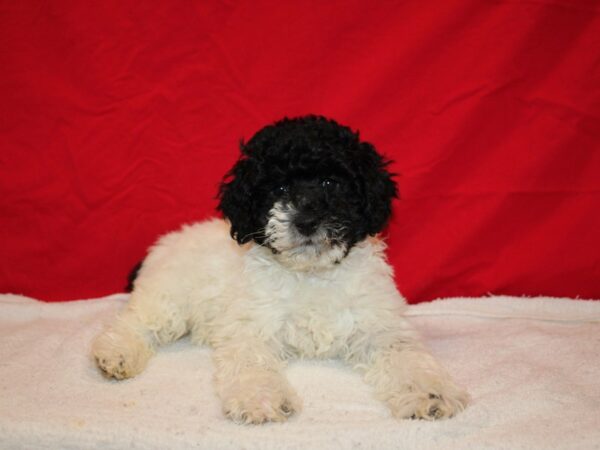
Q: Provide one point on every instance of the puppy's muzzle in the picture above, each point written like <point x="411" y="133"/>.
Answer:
<point x="306" y="225"/>
<point x="310" y="212"/>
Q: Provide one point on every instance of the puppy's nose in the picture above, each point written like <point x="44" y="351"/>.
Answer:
<point x="306" y="226"/>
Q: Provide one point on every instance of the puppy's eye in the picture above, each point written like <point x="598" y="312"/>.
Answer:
<point x="329" y="183"/>
<point x="281" y="189"/>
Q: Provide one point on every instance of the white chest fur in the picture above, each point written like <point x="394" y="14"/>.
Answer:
<point x="315" y="314"/>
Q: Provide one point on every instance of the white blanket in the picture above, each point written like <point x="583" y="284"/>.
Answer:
<point x="531" y="365"/>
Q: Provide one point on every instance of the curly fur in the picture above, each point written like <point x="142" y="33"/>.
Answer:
<point x="312" y="149"/>
<point x="307" y="277"/>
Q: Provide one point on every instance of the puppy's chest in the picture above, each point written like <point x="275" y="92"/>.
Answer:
<point x="315" y="319"/>
<point x="317" y="331"/>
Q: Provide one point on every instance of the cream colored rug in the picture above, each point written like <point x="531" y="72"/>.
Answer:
<point x="532" y="367"/>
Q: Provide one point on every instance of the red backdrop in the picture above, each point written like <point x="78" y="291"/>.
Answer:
<point x="118" y="119"/>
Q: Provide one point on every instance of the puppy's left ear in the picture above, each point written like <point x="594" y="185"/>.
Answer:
<point x="379" y="188"/>
<point x="236" y="199"/>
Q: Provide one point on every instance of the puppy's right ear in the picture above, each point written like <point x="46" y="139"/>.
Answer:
<point x="236" y="201"/>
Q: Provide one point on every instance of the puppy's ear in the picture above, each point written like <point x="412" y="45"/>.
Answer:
<point x="379" y="188"/>
<point x="236" y="200"/>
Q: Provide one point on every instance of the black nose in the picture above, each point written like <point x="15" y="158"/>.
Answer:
<point x="306" y="225"/>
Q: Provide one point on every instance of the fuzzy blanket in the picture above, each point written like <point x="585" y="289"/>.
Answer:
<point x="531" y="365"/>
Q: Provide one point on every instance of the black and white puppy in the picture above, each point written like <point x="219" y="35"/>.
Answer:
<point x="307" y="278"/>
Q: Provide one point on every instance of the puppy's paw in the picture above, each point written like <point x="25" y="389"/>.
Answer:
<point x="261" y="408"/>
<point x="260" y="402"/>
<point x="441" y="401"/>
<point x="120" y="354"/>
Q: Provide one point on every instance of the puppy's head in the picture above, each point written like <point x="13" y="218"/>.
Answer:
<point x="308" y="189"/>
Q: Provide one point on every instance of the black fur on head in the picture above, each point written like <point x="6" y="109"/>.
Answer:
<point x="321" y="170"/>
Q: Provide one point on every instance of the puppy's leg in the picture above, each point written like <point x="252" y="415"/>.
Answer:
<point x="250" y="382"/>
<point x="123" y="349"/>
<point x="406" y="376"/>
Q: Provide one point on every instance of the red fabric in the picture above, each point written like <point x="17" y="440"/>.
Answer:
<point x="118" y="119"/>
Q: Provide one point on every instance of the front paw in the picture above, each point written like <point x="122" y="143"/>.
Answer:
<point x="441" y="401"/>
<point x="260" y="400"/>
<point x="120" y="354"/>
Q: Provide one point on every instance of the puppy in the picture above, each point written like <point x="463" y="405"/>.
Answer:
<point x="305" y="276"/>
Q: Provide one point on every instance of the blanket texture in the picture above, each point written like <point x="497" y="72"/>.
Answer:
<point x="531" y="365"/>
